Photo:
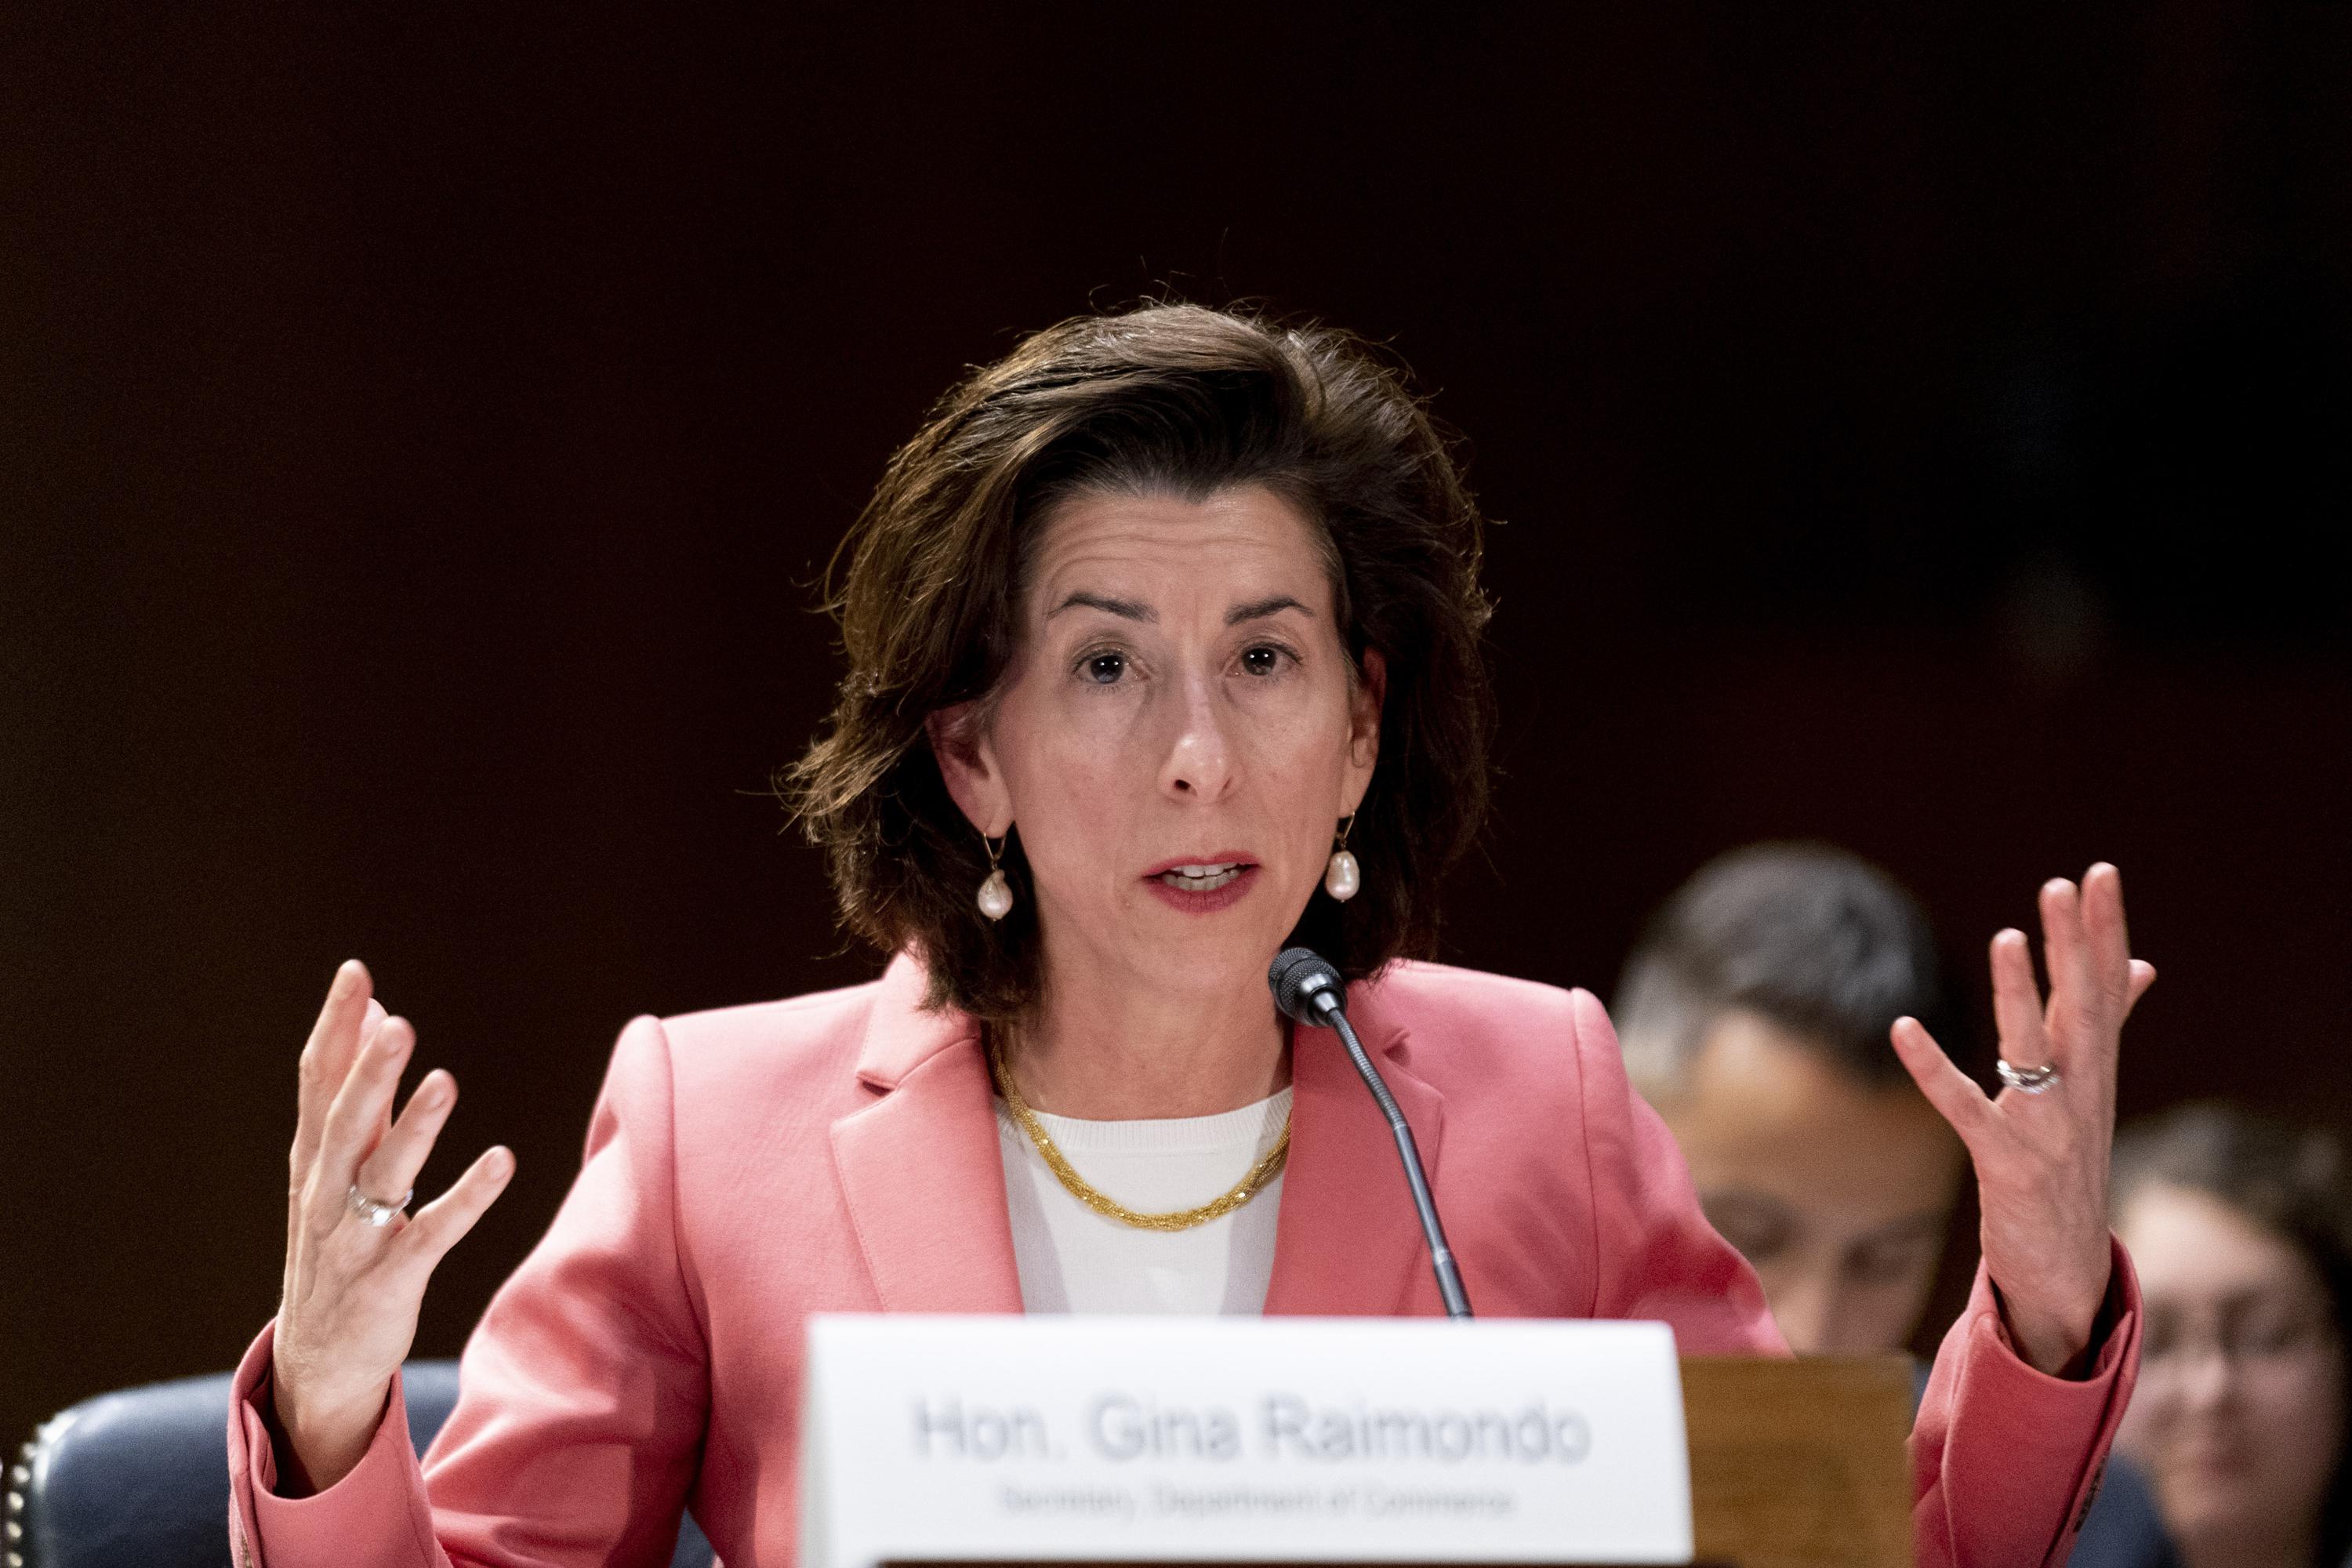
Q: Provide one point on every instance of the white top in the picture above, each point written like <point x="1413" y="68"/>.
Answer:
<point x="1073" y="1259"/>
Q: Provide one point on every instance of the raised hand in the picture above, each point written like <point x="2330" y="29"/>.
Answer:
<point x="2040" y="1155"/>
<point x="352" y="1289"/>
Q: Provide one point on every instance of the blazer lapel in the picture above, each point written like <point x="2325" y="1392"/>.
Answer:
<point x="919" y="1166"/>
<point x="1348" y="1243"/>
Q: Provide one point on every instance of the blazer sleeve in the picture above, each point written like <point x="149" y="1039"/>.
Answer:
<point x="2006" y="1460"/>
<point x="583" y="1393"/>
<point x="1654" y="1254"/>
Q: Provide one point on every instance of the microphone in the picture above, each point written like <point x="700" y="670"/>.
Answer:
<point x="1309" y="991"/>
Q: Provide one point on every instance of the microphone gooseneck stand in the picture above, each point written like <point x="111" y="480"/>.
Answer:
<point x="1309" y="990"/>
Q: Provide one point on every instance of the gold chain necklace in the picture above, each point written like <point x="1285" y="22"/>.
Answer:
<point x="1109" y="1207"/>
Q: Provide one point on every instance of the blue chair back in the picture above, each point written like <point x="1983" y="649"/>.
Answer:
<point x="138" y="1479"/>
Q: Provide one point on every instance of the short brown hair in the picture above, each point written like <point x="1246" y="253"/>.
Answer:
<point x="1162" y="399"/>
<point x="1812" y="938"/>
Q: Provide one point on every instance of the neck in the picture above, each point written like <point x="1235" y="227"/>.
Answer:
<point x="2270" y="1544"/>
<point x="1123" y="1053"/>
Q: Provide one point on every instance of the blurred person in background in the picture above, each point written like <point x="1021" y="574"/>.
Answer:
<point x="2237" y="1224"/>
<point x="1754" y="1013"/>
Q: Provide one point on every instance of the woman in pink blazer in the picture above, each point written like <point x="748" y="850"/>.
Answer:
<point x="1163" y="648"/>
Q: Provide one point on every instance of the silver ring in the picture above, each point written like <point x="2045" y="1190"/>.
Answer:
<point x="2028" y="1080"/>
<point x="377" y="1214"/>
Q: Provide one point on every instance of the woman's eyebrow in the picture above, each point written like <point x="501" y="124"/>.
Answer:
<point x="1257" y="609"/>
<point x="1127" y="609"/>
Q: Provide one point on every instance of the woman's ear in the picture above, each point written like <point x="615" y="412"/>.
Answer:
<point x="1366" y="694"/>
<point x="967" y="763"/>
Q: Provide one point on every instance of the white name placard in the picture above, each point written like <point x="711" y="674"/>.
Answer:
<point x="1273" y="1440"/>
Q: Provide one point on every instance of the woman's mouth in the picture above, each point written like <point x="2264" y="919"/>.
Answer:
<point x="1204" y="885"/>
<point x="1202" y="878"/>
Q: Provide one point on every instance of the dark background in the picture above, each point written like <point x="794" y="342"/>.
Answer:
<point x="423" y="428"/>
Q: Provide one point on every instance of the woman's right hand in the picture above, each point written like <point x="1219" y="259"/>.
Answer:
<point x="352" y="1289"/>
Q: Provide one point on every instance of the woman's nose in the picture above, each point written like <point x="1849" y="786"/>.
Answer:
<point x="2204" y="1378"/>
<point x="1199" y="764"/>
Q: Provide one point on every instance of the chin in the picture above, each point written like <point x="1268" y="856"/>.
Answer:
<point x="2201" y="1502"/>
<point x="1187" y="957"/>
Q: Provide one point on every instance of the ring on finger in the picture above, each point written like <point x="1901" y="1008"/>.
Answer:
<point x="375" y="1212"/>
<point x="2027" y="1081"/>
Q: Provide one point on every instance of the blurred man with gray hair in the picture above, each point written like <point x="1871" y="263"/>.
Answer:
<point x="1754" y="1012"/>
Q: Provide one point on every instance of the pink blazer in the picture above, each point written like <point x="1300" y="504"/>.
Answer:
<point x="838" y="1153"/>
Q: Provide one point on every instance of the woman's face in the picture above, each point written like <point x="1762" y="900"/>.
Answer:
<point x="1177" y="738"/>
<point x="2238" y="1417"/>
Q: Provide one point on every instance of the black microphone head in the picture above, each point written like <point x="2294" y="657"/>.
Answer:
<point x="1305" y="987"/>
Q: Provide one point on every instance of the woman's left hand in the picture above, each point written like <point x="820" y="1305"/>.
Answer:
<point x="2042" y="1158"/>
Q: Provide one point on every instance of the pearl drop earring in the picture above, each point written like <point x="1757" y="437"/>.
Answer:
<point x="995" y="894"/>
<point x="1342" y="878"/>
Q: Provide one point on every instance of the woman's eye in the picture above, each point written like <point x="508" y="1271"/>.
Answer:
<point x="1888" y="1264"/>
<point x="1261" y="660"/>
<point x="1105" y="669"/>
<point x="2273" y="1336"/>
